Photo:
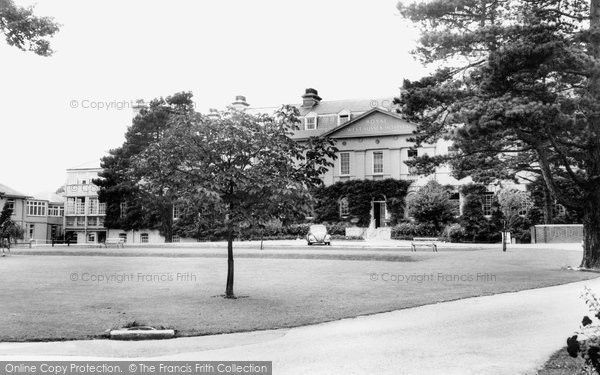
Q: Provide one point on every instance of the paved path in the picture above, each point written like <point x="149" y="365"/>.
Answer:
<point x="512" y="333"/>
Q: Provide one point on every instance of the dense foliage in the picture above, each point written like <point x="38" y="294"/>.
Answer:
<point x="360" y="194"/>
<point x="518" y="94"/>
<point x="132" y="204"/>
<point x="24" y="30"/>
<point x="431" y="206"/>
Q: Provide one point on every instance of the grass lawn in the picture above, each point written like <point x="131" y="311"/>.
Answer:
<point x="562" y="364"/>
<point x="44" y="297"/>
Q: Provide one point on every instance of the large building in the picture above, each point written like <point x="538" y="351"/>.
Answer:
<point x="84" y="214"/>
<point x="40" y="216"/>
<point x="373" y="143"/>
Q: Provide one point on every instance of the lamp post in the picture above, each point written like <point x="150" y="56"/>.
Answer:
<point x="504" y="235"/>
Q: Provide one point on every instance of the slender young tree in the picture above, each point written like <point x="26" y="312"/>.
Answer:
<point x="245" y="165"/>
<point x="519" y="93"/>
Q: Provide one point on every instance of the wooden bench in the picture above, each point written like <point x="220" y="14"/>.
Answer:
<point x="114" y="241"/>
<point x="424" y="241"/>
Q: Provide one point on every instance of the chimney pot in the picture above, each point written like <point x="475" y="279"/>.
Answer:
<point x="240" y="103"/>
<point x="310" y="98"/>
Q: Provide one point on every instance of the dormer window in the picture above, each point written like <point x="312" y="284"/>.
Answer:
<point x="343" y="117"/>
<point x="310" y="121"/>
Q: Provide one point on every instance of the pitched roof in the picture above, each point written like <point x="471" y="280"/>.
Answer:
<point x="330" y="107"/>
<point x="10" y="192"/>
<point x="92" y="164"/>
<point x="49" y="196"/>
<point x="360" y="117"/>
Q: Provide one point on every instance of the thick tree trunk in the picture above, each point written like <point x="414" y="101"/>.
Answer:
<point x="229" y="287"/>
<point x="547" y="206"/>
<point x="591" y="233"/>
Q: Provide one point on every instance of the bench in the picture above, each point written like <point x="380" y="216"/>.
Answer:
<point x="424" y="241"/>
<point x="114" y="241"/>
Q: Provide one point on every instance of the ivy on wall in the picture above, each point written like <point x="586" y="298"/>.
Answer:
<point x="360" y="194"/>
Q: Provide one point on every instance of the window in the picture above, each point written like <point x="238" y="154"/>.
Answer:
<point x="488" y="199"/>
<point x="123" y="236"/>
<point x="122" y="209"/>
<point x="525" y="204"/>
<point x="91" y="237"/>
<point x="345" y="163"/>
<point x="412" y="153"/>
<point x="55" y="210"/>
<point x="377" y="162"/>
<point x="36" y="208"/>
<point x="177" y="212"/>
<point x="175" y="238"/>
<point x="144" y="238"/>
<point x="310" y="122"/>
<point x="53" y="231"/>
<point x="102" y="209"/>
<point x="31" y="230"/>
<point x="455" y="201"/>
<point x="343" y="117"/>
<point x="10" y="202"/>
<point x="344" y="207"/>
<point x="93" y="206"/>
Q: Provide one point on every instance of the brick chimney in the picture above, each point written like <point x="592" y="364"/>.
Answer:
<point x="240" y="103"/>
<point x="310" y="98"/>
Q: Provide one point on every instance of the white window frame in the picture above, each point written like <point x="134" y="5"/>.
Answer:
<point x="343" y="114"/>
<point x="37" y="208"/>
<point x="175" y="238"/>
<point x="144" y="238"/>
<point x="488" y="201"/>
<point x="11" y="204"/>
<point x="123" y="236"/>
<point x="344" y="207"/>
<point x="177" y="212"/>
<point x="311" y="116"/>
<point x="382" y="164"/>
<point x="342" y="154"/>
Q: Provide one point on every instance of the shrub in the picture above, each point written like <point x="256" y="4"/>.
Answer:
<point x="406" y="231"/>
<point x="431" y="205"/>
<point x="453" y="233"/>
<point x="589" y="348"/>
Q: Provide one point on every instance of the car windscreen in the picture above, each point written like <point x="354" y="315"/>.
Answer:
<point x="318" y="229"/>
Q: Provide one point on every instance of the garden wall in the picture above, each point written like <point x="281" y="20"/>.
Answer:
<point x="557" y="233"/>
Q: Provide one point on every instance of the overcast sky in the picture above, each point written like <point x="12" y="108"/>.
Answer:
<point x="118" y="51"/>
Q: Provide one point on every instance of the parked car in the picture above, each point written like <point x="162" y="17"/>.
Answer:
<point x="318" y="234"/>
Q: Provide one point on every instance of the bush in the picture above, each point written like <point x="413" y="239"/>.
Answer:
<point x="406" y="231"/>
<point x="431" y="205"/>
<point x="589" y="348"/>
<point x="453" y="233"/>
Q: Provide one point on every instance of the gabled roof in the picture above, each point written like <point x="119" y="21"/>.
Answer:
<point x="359" y="118"/>
<point x="10" y="192"/>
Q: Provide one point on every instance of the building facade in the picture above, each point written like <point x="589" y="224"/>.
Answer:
<point x="84" y="214"/>
<point x="40" y="216"/>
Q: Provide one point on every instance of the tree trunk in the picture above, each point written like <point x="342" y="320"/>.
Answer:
<point x="229" y="287"/>
<point x="591" y="233"/>
<point x="548" y="206"/>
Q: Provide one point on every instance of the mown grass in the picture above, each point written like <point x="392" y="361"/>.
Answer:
<point x="40" y="301"/>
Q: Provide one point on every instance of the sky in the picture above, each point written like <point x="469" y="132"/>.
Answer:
<point x="71" y="108"/>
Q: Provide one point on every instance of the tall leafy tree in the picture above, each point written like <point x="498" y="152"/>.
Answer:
<point x="431" y="205"/>
<point x="9" y="230"/>
<point x="24" y="30"/>
<point x="131" y="202"/>
<point x="245" y="167"/>
<point x="519" y="92"/>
